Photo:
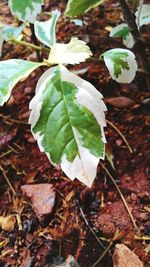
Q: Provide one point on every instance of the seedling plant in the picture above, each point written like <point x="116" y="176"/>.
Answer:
<point x="67" y="112"/>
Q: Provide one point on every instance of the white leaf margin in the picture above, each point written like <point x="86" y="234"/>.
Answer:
<point x="84" y="168"/>
<point x="48" y="28"/>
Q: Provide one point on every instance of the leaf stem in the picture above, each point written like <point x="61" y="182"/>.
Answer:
<point x="26" y="44"/>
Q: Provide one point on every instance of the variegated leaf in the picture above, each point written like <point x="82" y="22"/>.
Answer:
<point x="74" y="52"/>
<point x="26" y="10"/>
<point x="77" y="8"/>
<point x="11" y="72"/>
<point x="121" y="64"/>
<point x="12" y="32"/>
<point x="144" y="17"/>
<point x="122" y="31"/>
<point x="67" y="120"/>
<point x="45" y="31"/>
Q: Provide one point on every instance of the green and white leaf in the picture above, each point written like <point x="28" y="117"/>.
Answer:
<point x="77" y="8"/>
<point x="67" y="120"/>
<point x="74" y="52"/>
<point x="1" y="38"/>
<point x="12" y="32"/>
<point x="11" y="72"/>
<point x="122" y="31"/>
<point x="144" y="17"/>
<point x="45" y="31"/>
<point x="121" y="64"/>
<point x="26" y="10"/>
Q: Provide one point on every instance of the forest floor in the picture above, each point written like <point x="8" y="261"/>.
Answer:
<point x="84" y="221"/>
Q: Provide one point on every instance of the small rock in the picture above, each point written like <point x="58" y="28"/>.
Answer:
<point x="42" y="198"/>
<point x="119" y="102"/>
<point x="133" y="197"/>
<point x="143" y="216"/>
<point x="119" y="142"/>
<point x="124" y="257"/>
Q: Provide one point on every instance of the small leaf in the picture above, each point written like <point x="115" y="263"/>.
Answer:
<point x="1" y="38"/>
<point x="45" y="31"/>
<point x="74" y="52"/>
<point x="144" y="18"/>
<point x="122" y="31"/>
<point x="67" y="120"/>
<point x="11" y="72"/>
<point x="121" y="64"/>
<point x="26" y="10"/>
<point x="77" y="8"/>
<point x="12" y="32"/>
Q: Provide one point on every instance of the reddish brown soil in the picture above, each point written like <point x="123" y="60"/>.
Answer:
<point x="66" y="231"/>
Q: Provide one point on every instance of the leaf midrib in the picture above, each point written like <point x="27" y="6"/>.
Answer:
<point x="70" y="121"/>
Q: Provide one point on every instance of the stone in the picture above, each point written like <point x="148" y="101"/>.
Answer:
<point x="42" y="198"/>
<point x="124" y="257"/>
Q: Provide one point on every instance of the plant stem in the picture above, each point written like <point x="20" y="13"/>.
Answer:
<point x="34" y="40"/>
<point x="26" y="44"/>
<point x="139" y="43"/>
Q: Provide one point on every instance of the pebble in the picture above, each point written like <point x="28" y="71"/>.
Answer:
<point x="124" y="257"/>
<point x="42" y="198"/>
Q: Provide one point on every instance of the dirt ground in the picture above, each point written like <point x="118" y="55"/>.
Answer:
<point x="83" y="221"/>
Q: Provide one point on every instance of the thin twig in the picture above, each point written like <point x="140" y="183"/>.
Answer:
<point x="8" y="182"/>
<point x="121" y="196"/>
<point x="120" y="133"/>
<point x="90" y="228"/>
<point x="145" y="238"/>
<point x="8" y="119"/>
<point x="5" y="154"/>
<point x="103" y="255"/>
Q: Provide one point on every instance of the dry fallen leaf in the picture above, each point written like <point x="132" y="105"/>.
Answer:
<point x="7" y="223"/>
